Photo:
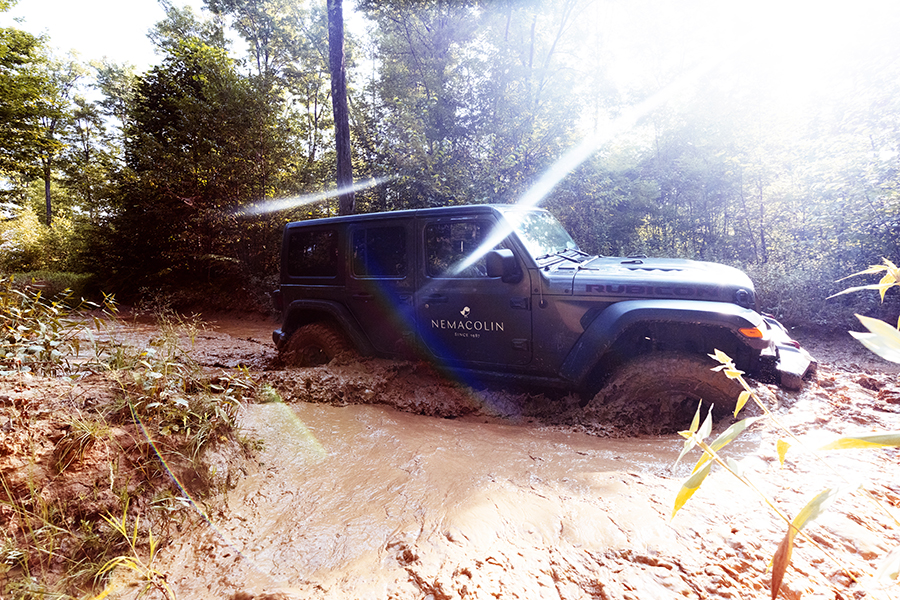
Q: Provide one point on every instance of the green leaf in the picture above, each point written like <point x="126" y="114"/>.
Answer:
<point x="706" y="428"/>
<point x="879" y="440"/>
<point x="817" y="506"/>
<point x="883" y="340"/>
<point x="689" y="487"/>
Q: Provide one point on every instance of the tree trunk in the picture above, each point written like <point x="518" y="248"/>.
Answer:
<point x="339" y="104"/>
<point x="47" y="202"/>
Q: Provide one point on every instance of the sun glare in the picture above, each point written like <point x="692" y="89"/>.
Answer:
<point x="790" y="51"/>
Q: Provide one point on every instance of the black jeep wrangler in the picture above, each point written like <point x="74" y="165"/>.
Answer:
<point x="492" y="291"/>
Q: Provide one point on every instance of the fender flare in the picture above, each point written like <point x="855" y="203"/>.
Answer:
<point x="302" y="312"/>
<point x="608" y="325"/>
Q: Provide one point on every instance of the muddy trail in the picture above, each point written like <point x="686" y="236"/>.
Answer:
<point x="381" y="479"/>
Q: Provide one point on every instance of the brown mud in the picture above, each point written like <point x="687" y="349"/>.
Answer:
<point x="381" y="479"/>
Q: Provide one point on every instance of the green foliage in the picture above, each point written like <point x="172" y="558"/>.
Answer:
<point x="23" y="88"/>
<point x="36" y="335"/>
<point x="27" y="244"/>
<point x="56" y="284"/>
<point x="455" y="102"/>
<point x="190" y="136"/>
<point x="167" y="393"/>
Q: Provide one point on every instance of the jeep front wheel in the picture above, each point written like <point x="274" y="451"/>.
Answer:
<point x="315" y="344"/>
<point x="659" y="393"/>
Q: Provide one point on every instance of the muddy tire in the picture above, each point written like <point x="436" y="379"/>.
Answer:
<point x="659" y="393"/>
<point x="315" y="344"/>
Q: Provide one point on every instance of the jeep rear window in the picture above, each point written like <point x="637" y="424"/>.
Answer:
<point x="313" y="253"/>
<point x="380" y="252"/>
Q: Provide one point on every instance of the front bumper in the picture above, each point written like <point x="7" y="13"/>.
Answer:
<point x="793" y="363"/>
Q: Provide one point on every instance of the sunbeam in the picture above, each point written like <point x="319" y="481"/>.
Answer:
<point x="270" y="206"/>
<point x="572" y="159"/>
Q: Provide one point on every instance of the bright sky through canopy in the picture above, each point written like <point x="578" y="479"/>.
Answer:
<point x="116" y="29"/>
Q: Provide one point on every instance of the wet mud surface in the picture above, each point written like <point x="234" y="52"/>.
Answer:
<point x="380" y="479"/>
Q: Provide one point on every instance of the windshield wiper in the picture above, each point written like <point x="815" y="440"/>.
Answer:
<point x="561" y="254"/>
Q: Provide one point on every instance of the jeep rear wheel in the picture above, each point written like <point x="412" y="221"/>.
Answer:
<point x="659" y="393"/>
<point x="315" y="344"/>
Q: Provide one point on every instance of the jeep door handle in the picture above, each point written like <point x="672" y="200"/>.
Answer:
<point x="436" y="299"/>
<point x="364" y="297"/>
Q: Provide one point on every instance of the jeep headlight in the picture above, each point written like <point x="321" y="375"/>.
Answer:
<point x="744" y="297"/>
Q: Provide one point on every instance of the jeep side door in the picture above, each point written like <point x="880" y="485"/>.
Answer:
<point x="464" y="315"/>
<point x="380" y="280"/>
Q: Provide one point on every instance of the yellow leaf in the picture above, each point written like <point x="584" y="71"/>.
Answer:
<point x="689" y="442"/>
<point x="733" y="373"/>
<point x="725" y="438"/>
<point x="883" y="340"/>
<point x="782" y="447"/>
<point x="742" y="400"/>
<point x="891" y="439"/>
<point x="721" y="357"/>
<point x="695" y="422"/>
<point x="689" y="487"/>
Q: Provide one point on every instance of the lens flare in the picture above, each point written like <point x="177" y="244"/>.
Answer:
<point x="572" y="159"/>
<point x="291" y="432"/>
<point x="270" y="206"/>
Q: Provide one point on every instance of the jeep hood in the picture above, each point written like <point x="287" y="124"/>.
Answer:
<point x="618" y="278"/>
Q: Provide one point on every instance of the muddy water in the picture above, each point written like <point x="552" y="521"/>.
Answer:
<point x="363" y="501"/>
<point x="512" y="500"/>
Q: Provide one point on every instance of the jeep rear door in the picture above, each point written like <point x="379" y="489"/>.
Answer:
<point x="381" y="275"/>
<point x="464" y="316"/>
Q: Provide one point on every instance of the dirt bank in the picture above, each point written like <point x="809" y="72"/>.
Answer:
<point x="379" y="479"/>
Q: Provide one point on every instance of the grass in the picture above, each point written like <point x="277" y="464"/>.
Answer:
<point x="164" y="411"/>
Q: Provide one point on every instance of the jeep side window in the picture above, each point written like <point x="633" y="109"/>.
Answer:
<point x="313" y="253"/>
<point x="380" y="252"/>
<point x="447" y="245"/>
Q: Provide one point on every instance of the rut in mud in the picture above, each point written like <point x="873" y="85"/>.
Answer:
<point x="379" y="479"/>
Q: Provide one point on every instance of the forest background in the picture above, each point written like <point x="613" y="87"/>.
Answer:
<point x="765" y="136"/>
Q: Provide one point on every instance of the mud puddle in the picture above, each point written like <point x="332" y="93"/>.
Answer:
<point x="364" y="501"/>
<point x="381" y="480"/>
<point x="353" y="498"/>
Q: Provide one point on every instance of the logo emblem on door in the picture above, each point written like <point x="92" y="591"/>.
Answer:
<point x="465" y="312"/>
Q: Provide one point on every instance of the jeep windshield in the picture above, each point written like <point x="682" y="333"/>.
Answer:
<point x="542" y="235"/>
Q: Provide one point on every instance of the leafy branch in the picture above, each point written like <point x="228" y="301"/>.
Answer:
<point x="697" y="435"/>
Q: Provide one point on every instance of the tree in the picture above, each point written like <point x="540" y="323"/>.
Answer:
<point x="23" y="89"/>
<point x="62" y="77"/>
<point x="193" y="131"/>
<point x="89" y="159"/>
<point x="339" y="104"/>
<point x="472" y="101"/>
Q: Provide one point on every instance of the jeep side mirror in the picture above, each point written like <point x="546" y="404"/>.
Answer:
<point x="502" y="263"/>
